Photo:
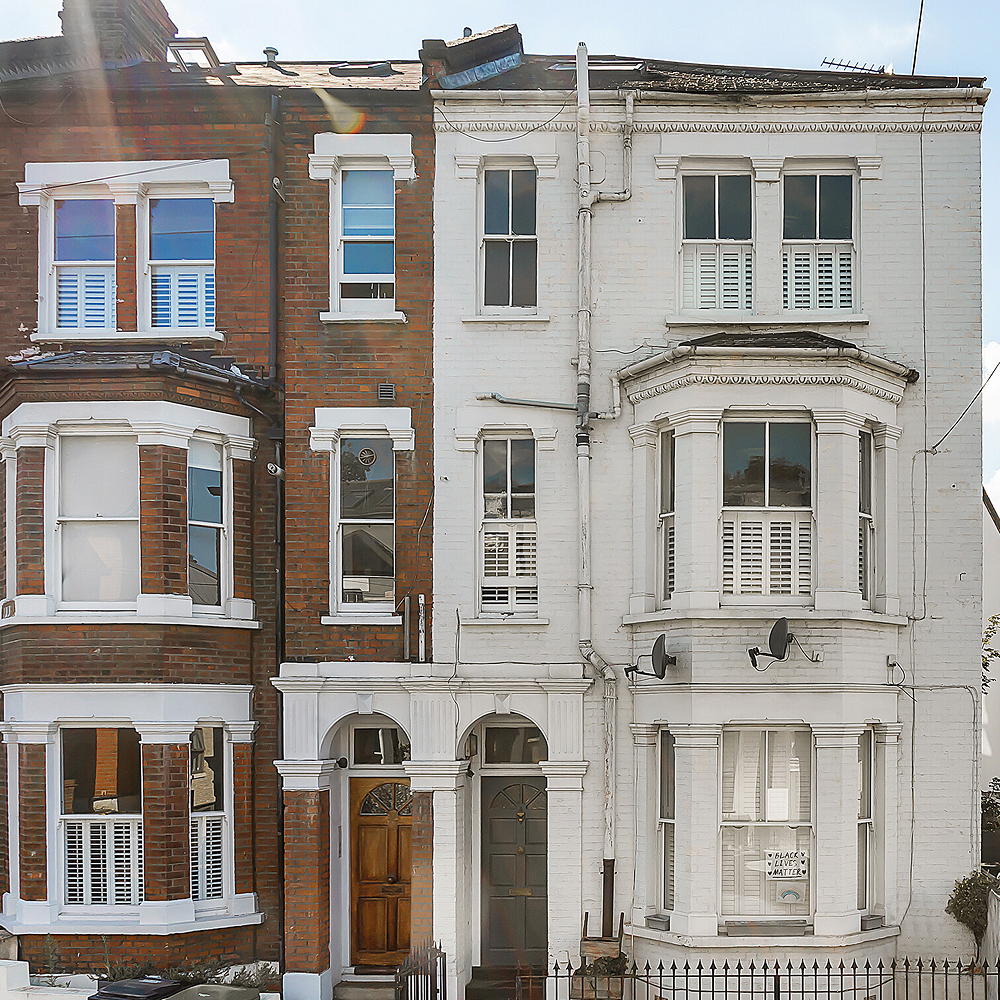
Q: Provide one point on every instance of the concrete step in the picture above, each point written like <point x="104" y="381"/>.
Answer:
<point x="358" y="989"/>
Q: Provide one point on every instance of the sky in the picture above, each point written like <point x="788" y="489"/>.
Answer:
<point x="955" y="39"/>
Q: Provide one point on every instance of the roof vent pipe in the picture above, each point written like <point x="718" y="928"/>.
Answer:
<point x="271" y="55"/>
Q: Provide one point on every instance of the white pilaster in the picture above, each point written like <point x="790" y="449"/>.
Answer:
<point x="836" y="503"/>
<point x="885" y="493"/>
<point x="645" y="894"/>
<point x="644" y="514"/>
<point x="696" y="841"/>
<point x="886" y="818"/>
<point x="767" y="297"/>
<point x="835" y="865"/>
<point x="696" y="505"/>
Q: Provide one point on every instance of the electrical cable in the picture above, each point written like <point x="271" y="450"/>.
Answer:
<point x="507" y="138"/>
<point x="979" y="392"/>
<point x="916" y="41"/>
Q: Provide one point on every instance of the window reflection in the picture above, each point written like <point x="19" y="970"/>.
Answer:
<point x="767" y="464"/>
<point x="207" y="769"/>
<point x="514" y="745"/>
<point x="380" y="746"/>
<point x="101" y="771"/>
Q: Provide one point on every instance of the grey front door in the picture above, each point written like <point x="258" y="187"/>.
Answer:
<point x="515" y="905"/>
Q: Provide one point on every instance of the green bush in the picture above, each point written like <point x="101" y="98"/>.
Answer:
<point x="970" y="900"/>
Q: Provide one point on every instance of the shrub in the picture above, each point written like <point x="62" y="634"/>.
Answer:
<point x="970" y="900"/>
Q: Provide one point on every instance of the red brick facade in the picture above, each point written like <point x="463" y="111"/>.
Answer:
<point x="32" y="812"/>
<point x="422" y="878"/>
<point x="307" y="881"/>
<point x="30" y="521"/>
<point x="163" y="519"/>
<point x="166" y="845"/>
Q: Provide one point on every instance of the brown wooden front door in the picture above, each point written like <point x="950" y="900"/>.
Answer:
<point x="381" y="818"/>
<point x="514" y="886"/>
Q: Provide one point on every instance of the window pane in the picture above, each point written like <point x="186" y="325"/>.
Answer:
<point x="204" y="546"/>
<point x="496" y="184"/>
<point x="791" y="465"/>
<point x="522" y="465"/>
<point x="495" y="466"/>
<point x="835" y="207"/>
<point x="85" y="230"/>
<point x="667" y="472"/>
<point x="699" y="208"/>
<point x="514" y="745"/>
<point x="101" y="771"/>
<point x="496" y="291"/>
<point x="788" y="791"/>
<point x="742" y="763"/>
<point x="368" y="187"/>
<point x="367" y="290"/>
<point x="380" y="746"/>
<point x="743" y="464"/>
<point x="746" y="889"/>
<point x="100" y="561"/>
<point x="865" y="458"/>
<point x="207" y="769"/>
<point x="522" y="210"/>
<point x="98" y="476"/>
<point x="734" y="207"/>
<point x="370" y="258"/>
<point x="525" y="278"/>
<point x="205" y="483"/>
<point x="367" y="467"/>
<point x="182" y="229"/>
<point x="368" y="563"/>
<point x="667" y="776"/>
<point x="800" y="207"/>
<point x="369" y="222"/>
<point x="865" y="775"/>
<point x="863" y="835"/>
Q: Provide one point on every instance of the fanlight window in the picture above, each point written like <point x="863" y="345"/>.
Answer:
<point x="389" y="797"/>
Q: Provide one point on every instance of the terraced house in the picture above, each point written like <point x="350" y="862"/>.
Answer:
<point x="660" y="379"/>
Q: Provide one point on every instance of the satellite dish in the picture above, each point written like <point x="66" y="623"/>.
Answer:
<point x="661" y="660"/>
<point x="777" y="642"/>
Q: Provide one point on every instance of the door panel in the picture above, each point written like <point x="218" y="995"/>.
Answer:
<point x="381" y="821"/>
<point x="514" y="871"/>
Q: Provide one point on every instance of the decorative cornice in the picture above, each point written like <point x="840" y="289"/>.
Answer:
<point x="740" y="127"/>
<point x="698" y="379"/>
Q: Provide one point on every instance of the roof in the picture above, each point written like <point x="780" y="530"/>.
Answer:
<point x="617" y="72"/>
<point x="193" y="364"/>
<point x="800" y="339"/>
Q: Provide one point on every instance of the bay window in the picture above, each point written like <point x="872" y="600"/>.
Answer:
<point x="510" y="240"/>
<point x="508" y="532"/>
<point x="367" y="250"/>
<point x="365" y="527"/>
<point x="101" y="817"/>
<point x="717" y="250"/>
<point x="818" y="254"/>
<point x="767" y="517"/>
<point x="83" y="264"/>
<point x="208" y="815"/>
<point x="182" y="262"/>
<point x="98" y="520"/>
<point x="766" y="825"/>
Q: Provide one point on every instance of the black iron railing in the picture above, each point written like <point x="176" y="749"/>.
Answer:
<point x="422" y="975"/>
<point x="902" y="979"/>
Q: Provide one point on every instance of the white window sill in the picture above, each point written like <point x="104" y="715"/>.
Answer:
<point x="506" y="318"/>
<point x="361" y="619"/>
<point x="123" y="336"/>
<point x="126" y="618"/>
<point x="362" y="317"/>
<point x="789" y="317"/>
<point x="504" y="621"/>
<point x="125" y="920"/>
<point x="759" y="613"/>
<point x="756" y="943"/>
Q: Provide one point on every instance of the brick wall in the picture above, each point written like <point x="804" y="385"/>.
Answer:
<point x="125" y="274"/>
<point x="422" y="875"/>
<point x="31" y="828"/>
<point x="30" y="520"/>
<point x="307" y="881"/>
<point x="166" y="832"/>
<point x="242" y="813"/>
<point x="163" y="519"/>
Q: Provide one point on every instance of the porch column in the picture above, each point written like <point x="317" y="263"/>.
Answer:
<point x="886" y="820"/>
<point x="644" y="514"/>
<point x="885" y="490"/>
<point x="166" y="822"/>
<point x="564" y="798"/>
<point x="836" y="790"/>
<point x="696" y="509"/>
<point x="836" y="505"/>
<point x="696" y="837"/>
<point x="446" y="781"/>
<point x="306" y="795"/>
<point x="646" y="897"/>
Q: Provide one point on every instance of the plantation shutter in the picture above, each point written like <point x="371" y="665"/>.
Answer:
<point x="183" y="295"/>
<point x="85" y="298"/>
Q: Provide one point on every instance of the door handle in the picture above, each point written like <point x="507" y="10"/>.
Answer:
<point x="392" y="880"/>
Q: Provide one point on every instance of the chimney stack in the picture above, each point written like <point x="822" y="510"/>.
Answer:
<point x="119" y="32"/>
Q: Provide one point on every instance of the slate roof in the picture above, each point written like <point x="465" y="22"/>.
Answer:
<point x="800" y="339"/>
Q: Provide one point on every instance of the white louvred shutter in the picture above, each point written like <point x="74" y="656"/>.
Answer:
<point x="729" y="556"/>
<point x="750" y="556"/>
<point x="197" y="874"/>
<point x="124" y="855"/>
<point x="74" y="874"/>
<point x="804" y="559"/>
<point x="668" y="866"/>
<point x="97" y="867"/>
<point x="85" y="298"/>
<point x="496" y="553"/>
<point x="780" y="557"/>
<point x="845" y="276"/>
<point x="669" y="556"/>
<point x="213" y="857"/>
<point x="183" y="295"/>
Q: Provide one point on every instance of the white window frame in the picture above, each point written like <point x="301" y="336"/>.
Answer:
<point x="508" y="164"/>
<point x="868" y="822"/>
<point x="797" y="824"/>
<point x="147" y="264"/>
<point x="763" y="417"/>
<point x="226" y="552"/>
<point x="58" y="520"/>
<point x="125" y="182"/>
<point x="337" y="602"/>
<point x="824" y="169"/>
<point x="514" y="610"/>
<point x="867" y="528"/>
<point x="338" y="241"/>
<point x="666" y="534"/>
<point x="683" y="242"/>
<point x="210" y="905"/>
<point x="664" y="822"/>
